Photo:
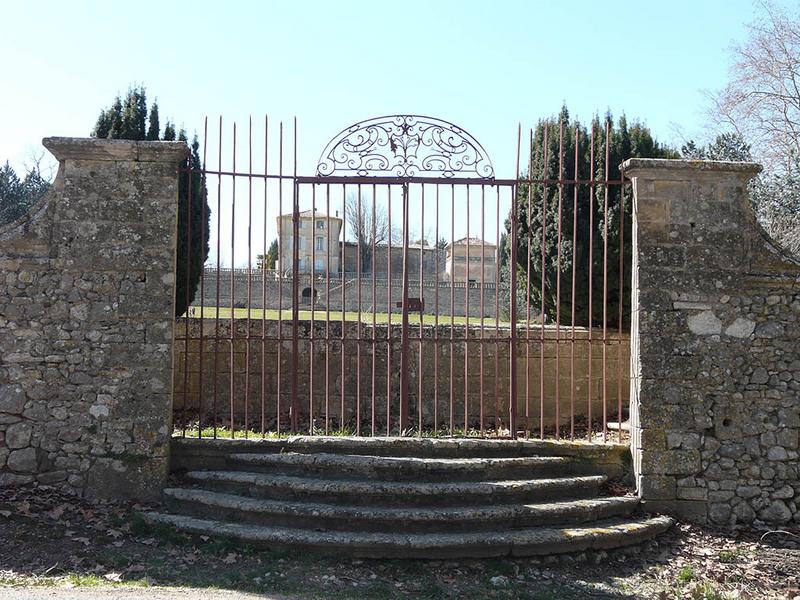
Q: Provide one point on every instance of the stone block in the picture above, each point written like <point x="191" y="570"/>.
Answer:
<point x="695" y="511"/>
<point x="132" y="478"/>
<point x="18" y="435"/>
<point x="24" y="461"/>
<point x="12" y="399"/>
<point x="776" y="512"/>
<point x="656" y="487"/>
<point x="671" y="462"/>
<point x="692" y="493"/>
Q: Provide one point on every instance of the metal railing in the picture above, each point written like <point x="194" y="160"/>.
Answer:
<point x="266" y="352"/>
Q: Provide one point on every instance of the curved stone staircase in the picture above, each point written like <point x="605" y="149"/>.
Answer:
<point x="410" y="498"/>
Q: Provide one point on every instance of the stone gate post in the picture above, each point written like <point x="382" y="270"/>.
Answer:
<point x="86" y="322"/>
<point x="715" y="379"/>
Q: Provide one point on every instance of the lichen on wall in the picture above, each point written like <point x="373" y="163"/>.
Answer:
<point x="715" y="396"/>
<point x="86" y="301"/>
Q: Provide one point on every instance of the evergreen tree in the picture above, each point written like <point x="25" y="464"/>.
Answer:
<point x="602" y="209"/>
<point x="18" y="195"/>
<point x="267" y="261"/>
<point x="775" y="196"/>
<point x="153" y="126"/>
<point x="193" y="229"/>
<point x="126" y="119"/>
<point x="169" y="132"/>
<point x="726" y="146"/>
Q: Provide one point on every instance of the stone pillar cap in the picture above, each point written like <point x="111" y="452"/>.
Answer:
<point x="115" y="150"/>
<point x="682" y="164"/>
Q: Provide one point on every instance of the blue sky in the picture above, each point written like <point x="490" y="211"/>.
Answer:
<point x="485" y="66"/>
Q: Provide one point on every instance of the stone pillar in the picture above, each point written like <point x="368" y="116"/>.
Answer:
<point x="86" y="322"/>
<point x="715" y="379"/>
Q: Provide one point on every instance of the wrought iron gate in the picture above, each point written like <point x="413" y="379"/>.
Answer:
<point x="358" y="328"/>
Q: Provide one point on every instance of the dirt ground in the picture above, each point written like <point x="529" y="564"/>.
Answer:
<point x="59" y="547"/>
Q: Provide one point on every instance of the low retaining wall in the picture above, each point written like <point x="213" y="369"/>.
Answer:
<point x="195" y="391"/>
<point x="472" y="300"/>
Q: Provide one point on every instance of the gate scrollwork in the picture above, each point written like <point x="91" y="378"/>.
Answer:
<point x="405" y="146"/>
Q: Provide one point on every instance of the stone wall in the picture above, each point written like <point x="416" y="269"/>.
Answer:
<point x="86" y="322"/>
<point x="466" y="299"/>
<point x="195" y="392"/>
<point x="715" y="391"/>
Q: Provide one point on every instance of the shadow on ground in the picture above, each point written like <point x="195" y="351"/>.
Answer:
<point x="55" y="540"/>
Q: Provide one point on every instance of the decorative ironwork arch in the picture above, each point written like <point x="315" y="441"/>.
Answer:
<point x="405" y="146"/>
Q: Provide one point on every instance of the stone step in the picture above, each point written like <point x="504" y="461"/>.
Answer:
<point x="330" y="517"/>
<point x="395" y="468"/>
<point x="396" y="493"/>
<point x="605" y="534"/>
<point x="189" y="454"/>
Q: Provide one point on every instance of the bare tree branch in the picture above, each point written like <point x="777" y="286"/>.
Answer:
<point x="367" y="224"/>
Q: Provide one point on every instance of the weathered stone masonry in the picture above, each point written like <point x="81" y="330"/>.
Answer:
<point x="715" y="388"/>
<point x="86" y="322"/>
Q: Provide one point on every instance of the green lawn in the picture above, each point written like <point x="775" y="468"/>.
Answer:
<point x="211" y="312"/>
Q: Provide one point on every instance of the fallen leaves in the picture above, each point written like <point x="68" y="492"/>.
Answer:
<point x="57" y="535"/>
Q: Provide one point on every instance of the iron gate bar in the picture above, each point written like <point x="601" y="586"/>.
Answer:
<point x="605" y="283"/>
<point x="591" y="287"/>
<point x="327" y="314"/>
<point x="374" y="312"/>
<point x="545" y="191"/>
<point x="512" y="413"/>
<point x="312" y="329"/>
<point x="240" y="343"/>
<point x="295" y="288"/>
<point x="436" y="331"/>
<point x="404" y="331"/>
<point x="279" y="378"/>
<point x="483" y="290"/>
<point x="216" y="304"/>
<point x="264" y="289"/>
<point x="528" y="293"/>
<point x="203" y="217"/>
<point x="497" y="422"/>
<point x="249" y="275"/>
<point x="232" y="332"/>
<point x="368" y="179"/>
<point x="344" y="329"/>
<point x="452" y="306"/>
<point x="389" y="327"/>
<point x="574" y="261"/>
<point x="358" y="321"/>
<point x="466" y="327"/>
<point x="621" y="305"/>
<point x="558" y="277"/>
<point x="421" y="349"/>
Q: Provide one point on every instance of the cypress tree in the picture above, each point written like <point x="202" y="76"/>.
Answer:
<point x="193" y="216"/>
<point x="103" y="125"/>
<point x="595" y="211"/>
<point x="115" y="131"/>
<point x="169" y="132"/>
<point x="153" y="126"/>
<point x="18" y="195"/>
